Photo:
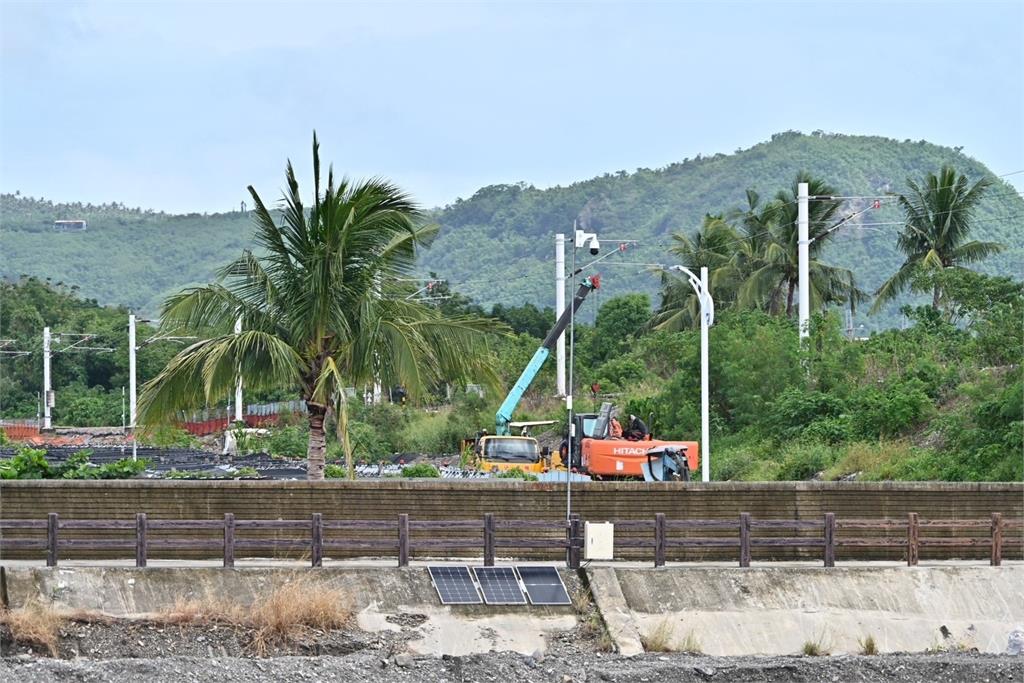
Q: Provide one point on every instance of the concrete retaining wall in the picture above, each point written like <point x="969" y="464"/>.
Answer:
<point x="725" y="611"/>
<point x="519" y="500"/>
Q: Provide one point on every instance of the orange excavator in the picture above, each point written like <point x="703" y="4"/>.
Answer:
<point x="635" y="455"/>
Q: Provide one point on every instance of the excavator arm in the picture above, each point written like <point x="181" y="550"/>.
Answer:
<point x="508" y="406"/>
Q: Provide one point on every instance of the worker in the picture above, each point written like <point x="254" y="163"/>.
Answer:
<point x="637" y="430"/>
<point x="615" y="428"/>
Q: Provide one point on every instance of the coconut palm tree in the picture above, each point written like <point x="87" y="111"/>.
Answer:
<point x="321" y="310"/>
<point x="937" y="223"/>
<point x="772" y="252"/>
<point x="714" y="245"/>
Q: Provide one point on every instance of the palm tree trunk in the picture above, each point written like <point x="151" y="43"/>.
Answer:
<point x="346" y="443"/>
<point x="936" y="292"/>
<point x="317" y="442"/>
<point x="789" y="299"/>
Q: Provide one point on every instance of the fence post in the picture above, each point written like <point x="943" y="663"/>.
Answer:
<point x="229" y="539"/>
<point x="403" y="540"/>
<point x="830" y="539"/>
<point x="140" y="539"/>
<point x="659" y="539"/>
<point x="744" y="539"/>
<point x="997" y="539"/>
<point x="317" y="540"/>
<point x="488" y="539"/>
<point x="575" y="532"/>
<point x="52" y="522"/>
<point x="912" y="539"/>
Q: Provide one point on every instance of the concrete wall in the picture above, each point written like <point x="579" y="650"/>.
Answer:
<point x="767" y="610"/>
<point x="385" y="499"/>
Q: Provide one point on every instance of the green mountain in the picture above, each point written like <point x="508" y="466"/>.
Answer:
<point x="497" y="245"/>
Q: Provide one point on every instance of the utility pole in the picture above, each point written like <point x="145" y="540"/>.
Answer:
<point x="705" y="403"/>
<point x="132" y="393"/>
<point x="238" y="386"/>
<point x="47" y="393"/>
<point x="559" y="307"/>
<point x="803" y="255"/>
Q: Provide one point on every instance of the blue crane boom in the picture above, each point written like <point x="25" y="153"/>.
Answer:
<point x="508" y="406"/>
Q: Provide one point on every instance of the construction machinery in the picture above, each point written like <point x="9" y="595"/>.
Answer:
<point x="602" y="456"/>
<point x="503" y="451"/>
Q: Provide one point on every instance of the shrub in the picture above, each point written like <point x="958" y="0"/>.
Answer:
<point x="421" y="470"/>
<point x="168" y="436"/>
<point x="517" y="473"/>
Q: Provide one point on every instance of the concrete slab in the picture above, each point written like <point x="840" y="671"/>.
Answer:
<point x="773" y="610"/>
<point x="376" y="593"/>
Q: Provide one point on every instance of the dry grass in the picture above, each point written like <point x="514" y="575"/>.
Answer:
<point x="691" y="644"/>
<point x="868" y="646"/>
<point x="282" y="616"/>
<point x="660" y="638"/>
<point x="36" y="624"/>
<point x="814" y="648"/>
<point x="582" y="600"/>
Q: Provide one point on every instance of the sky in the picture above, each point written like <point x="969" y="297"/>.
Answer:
<point x="179" y="106"/>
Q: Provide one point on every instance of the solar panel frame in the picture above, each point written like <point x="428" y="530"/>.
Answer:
<point x="499" y="585"/>
<point x="453" y="585"/>
<point x="543" y="585"/>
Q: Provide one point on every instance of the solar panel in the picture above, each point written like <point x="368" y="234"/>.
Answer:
<point x="454" y="585"/>
<point x="543" y="585"/>
<point x="499" y="586"/>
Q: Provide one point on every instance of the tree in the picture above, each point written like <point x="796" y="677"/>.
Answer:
<point x="716" y="245"/>
<point x="322" y="309"/>
<point x="937" y="223"/>
<point x="620" y="319"/>
<point x="774" y="257"/>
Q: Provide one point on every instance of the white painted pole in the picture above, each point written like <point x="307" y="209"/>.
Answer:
<point x="559" y="307"/>
<point x="132" y="387"/>
<point x="46" y="378"/>
<point x="804" y="284"/>
<point x="238" y="386"/>
<point x="705" y="403"/>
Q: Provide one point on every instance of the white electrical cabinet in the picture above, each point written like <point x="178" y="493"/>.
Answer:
<point x="599" y="541"/>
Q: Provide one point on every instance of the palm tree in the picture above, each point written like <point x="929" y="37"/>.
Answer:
<point x="937" y="222"/>
<point x="321" y="310"/>
<point x="713" y="246"/>
<point x="773" y="248"/>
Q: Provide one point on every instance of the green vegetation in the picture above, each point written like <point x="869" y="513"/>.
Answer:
<point x="421" y="470"/>
<point x="324" y="306"/>
<point x="517" y="473"/>
<point x="30" y="463"/>
<point x="496" y="245"/>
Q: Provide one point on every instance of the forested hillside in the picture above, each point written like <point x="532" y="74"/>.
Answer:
<point x="497" y="245"/>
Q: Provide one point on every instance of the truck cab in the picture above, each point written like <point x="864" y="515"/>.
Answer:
<point x="494" y="453"/>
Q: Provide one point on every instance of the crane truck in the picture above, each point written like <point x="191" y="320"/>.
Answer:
<point x="595" y="452"/>
<point x="502" y="450"/>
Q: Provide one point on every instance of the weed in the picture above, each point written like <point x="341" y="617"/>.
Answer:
<point x="867" y="645"/>
<point x="660" y="638"/>
<point x="36" y="624"/>
<point x="814" y="648"/>
<point x="278" y="618"/>
<point x="691" y="644"/>
<point x="581" y="600"/>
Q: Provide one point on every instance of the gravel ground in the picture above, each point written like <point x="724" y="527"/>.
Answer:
<point x="367" y="667"/>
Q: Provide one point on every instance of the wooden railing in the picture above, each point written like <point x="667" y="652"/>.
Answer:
<point x="317" y="535"/>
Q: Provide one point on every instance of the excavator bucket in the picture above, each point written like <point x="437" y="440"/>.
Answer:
<point x="665" y="463"/>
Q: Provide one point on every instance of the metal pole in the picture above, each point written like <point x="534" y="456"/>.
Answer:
<point x="804" y="284"/>
<point x="559" y="307"/>
<point x="132" y="393"/>
<point x="238" y="385"/>
<point x="46" y="378"/>
<point x="569" y="388"/>
<point x="705" y="409"/>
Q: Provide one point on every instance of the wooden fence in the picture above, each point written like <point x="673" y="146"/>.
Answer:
<point x="316" y="535"/>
